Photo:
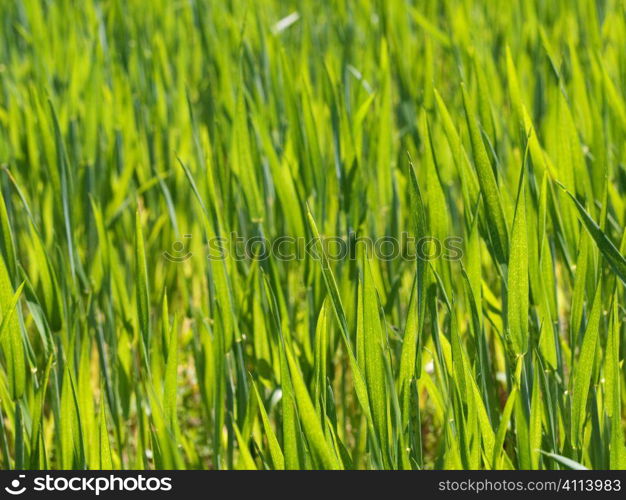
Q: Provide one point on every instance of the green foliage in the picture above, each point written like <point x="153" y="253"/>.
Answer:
<point x="139" y="147"/>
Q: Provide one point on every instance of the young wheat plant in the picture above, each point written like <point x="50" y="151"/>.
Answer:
<point x="298" y="234"/>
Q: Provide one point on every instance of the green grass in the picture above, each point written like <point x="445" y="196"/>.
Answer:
<point x="135" y="138"/>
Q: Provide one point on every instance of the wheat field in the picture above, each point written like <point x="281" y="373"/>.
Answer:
<point x="297" y="234"/>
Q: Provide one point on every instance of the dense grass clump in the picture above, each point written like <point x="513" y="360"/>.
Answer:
<point x="312" y="234"/>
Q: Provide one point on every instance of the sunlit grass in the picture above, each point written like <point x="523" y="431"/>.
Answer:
<point x="135" y="135"/>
